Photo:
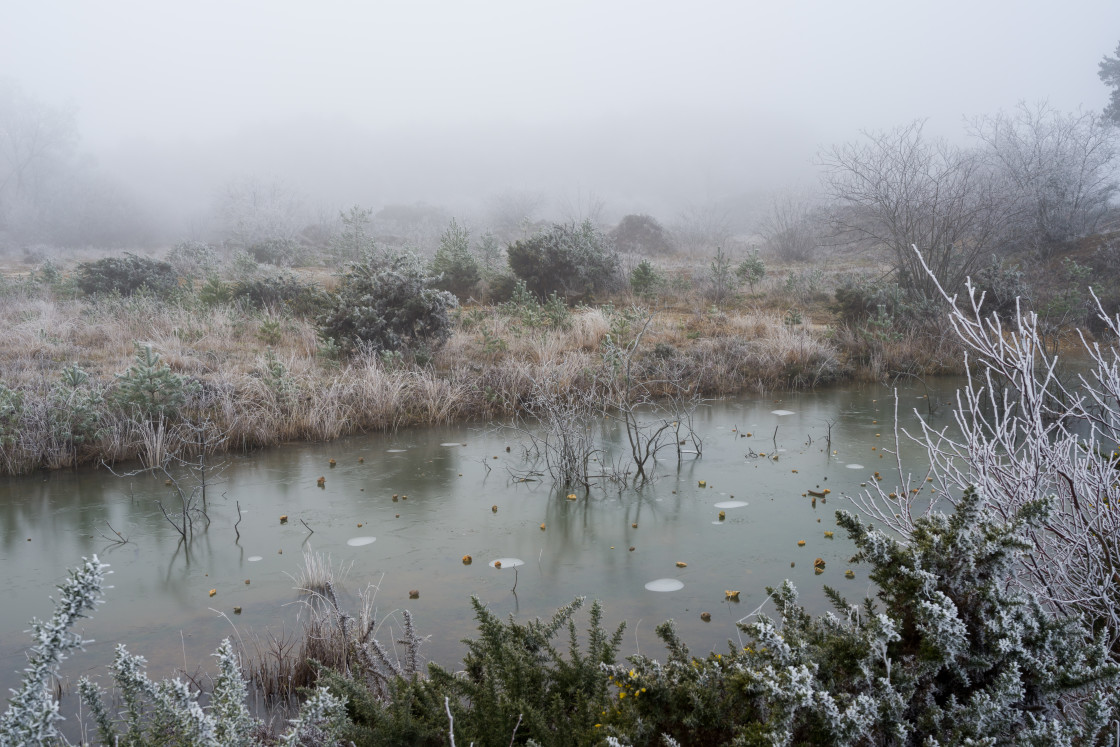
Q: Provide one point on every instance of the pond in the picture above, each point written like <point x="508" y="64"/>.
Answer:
<point x="651" y="554"/>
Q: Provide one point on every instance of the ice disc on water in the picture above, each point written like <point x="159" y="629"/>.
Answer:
<point x="780" y="413"/>
<point x="665" y="584"/>
<point x="254" y="558"/>
<point x="507" y="562"/>
<point x="359" y="541"/>
<point x="731" y="504"/>
<point x="396" y="451"/>
<point x="854" y="466"/>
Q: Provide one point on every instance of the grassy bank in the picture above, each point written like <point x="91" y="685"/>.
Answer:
<point x="258" y="376"/>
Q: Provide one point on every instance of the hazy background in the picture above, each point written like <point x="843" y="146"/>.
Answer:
<point x="648" y="106"/>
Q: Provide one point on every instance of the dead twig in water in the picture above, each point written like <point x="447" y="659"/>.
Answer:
<point x="120" y="540"/>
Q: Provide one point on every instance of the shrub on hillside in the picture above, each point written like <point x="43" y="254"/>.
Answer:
<point x="569" y="260"/>
<point x="387" y="302"/>
<point x="125" y="275"/>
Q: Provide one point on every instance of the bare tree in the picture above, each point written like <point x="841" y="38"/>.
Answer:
<point x="1059" y="171"/>
<point x="896" y="189"/>
<point x="789" y="228"/>
<point x="252" y="210"/>
<point x="701" y="228"/>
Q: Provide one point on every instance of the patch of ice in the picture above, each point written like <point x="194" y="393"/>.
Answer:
<point x="854" y="466"/>
<point x="781" y="413"/>
<point x="665" y="584"/>
<point x="254" y="558"/>
<point x="359" y="541"/>
<point x="731" y="504"/>
<point x="507" y="562"/>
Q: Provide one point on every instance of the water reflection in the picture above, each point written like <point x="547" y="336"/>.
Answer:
<point x="427" y="497"/>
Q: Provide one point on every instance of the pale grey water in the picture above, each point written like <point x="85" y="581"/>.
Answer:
<point x="160" y="604"/>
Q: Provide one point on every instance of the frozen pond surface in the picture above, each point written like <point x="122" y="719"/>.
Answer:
<point x="607" y="545"/>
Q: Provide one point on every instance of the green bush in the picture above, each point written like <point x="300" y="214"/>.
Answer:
<point x="75" y="410"/>
<point x="456" y="267"/>
<point x="515" y="681"/>
<point x="646" y="280"/>
<point x="387" y="302"/>
<point x="281" y="291"/>
<point x="125" y="275"/>
<point x="751" y="270"/>
<point x="568" y="260"/>
<point x="149" y="388"/>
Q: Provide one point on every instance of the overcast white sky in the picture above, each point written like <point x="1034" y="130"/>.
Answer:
<point x="437" y="100"/>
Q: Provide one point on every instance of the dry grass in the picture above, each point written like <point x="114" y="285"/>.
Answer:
<point x="486" y="369"/>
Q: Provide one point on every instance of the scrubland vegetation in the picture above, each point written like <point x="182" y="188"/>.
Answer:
<point x="994" y="618"/>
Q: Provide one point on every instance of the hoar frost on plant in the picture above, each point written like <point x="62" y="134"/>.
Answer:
<point x="1026" y="434"/>
<point x="32" y="713"/>
<point x="167" y="711"/>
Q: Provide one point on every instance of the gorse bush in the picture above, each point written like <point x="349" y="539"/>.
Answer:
<point x="517" y="685"/>
<point x="387" y="302"/>
<point x="126" y="275"/>
<point x="953" y="656"/>
<point x="568" y="260"/>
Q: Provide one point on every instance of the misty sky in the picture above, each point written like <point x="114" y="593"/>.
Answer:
<point x="644" y="103"/>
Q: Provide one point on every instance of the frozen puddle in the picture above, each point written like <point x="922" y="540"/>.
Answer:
<point x="665" y="584"/>
<point x="359" y="541"/>
<point x="854" y="466"/>
<point x="731" y="504"/>
<point x="781" y="413"/>
<point x="506" y="562"/>
<point x="254" y="558"/>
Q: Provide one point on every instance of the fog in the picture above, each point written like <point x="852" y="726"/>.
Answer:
<point x="647" y="107"/>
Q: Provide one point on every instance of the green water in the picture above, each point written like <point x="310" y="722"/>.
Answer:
<point x="161" y="607"/>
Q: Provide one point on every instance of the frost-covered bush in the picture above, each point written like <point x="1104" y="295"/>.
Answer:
<point x="388" y="302"/>
<point x="149" y="713"/>
<point x="278" y="252"/>
<point x="193" y="259"/>
<point x="125" y="275"/>
<point x="569" y="260"/>
<point x="1024" y="432"/>
<point x="953" y="654"/>
<point x="280" y="291"/>
<point x="32" y="715"/>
